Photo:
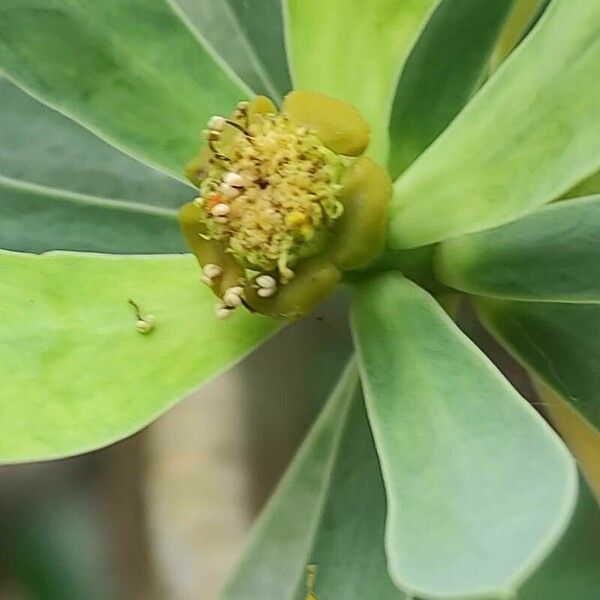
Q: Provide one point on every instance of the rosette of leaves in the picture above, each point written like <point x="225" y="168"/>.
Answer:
<point x="443" y="482"/>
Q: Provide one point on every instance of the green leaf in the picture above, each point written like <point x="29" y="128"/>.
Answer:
<point x="36" y="219"/>
<point x="528" y="135"/>
<point x="553" y="254"/>
<point x="442" y="72"/>
<point x="587" y="187"/>
<point x="130" y="71"/>
<point x="41" y="146"/>
<point x="76" y="375"/>
<point x="248" y="37"/>
<point x="582" y="438"/>
<point x="523" y="16"/>
<point x="559" y="342"/>
<point x="572" y="570"/>
<point x="479" y="487"/>
<point x="328" y="511"/>
<point x="354" y="51"/>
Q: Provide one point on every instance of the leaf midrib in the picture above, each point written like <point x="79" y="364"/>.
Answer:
<point x="328" y="476"/>
<point x="85" y="199"/>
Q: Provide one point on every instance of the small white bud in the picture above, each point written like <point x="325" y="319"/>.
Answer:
<point x="220" y="210"/>
<point x="211" y="270"/>
<point x="229" y="191"/>
<point x="266" y="281"/>
<point x="220" y="220"/>
<point x="235" y="180"/>
<point x="199" y="201"/>
<point x="206" y="280"/>
<point x="266" y="292"/>
<point x="216" y="123"/>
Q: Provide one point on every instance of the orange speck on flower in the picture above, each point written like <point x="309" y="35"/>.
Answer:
<point x="214" y="200"/>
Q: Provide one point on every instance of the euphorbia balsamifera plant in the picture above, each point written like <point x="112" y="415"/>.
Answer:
<point x="427" y="474"/>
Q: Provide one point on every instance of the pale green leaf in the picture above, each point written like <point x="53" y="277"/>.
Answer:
<point x="354" y="51"/>
<point x="441" y="73"/>
<point x="559" y="342"/>
<point x="263" y="25"/>
<point x="328" y="511"/>
<point x="248" y="36"/>
<point x="479" y="487"/>
<point x="76" y="374"/>
<point x="571" y="571"/>
<point x="39" y="145"/>
<point x="587" y="187"/>
<point x="550" y="255"/>
<point x="129" y="70"/>
<point x="36" y="219"/>
<point x="530" y="134"/>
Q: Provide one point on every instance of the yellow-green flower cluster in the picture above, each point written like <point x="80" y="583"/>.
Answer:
<point x="284" y="206"/>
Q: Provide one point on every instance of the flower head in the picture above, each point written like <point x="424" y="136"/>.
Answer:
<point x="285" y="205"/>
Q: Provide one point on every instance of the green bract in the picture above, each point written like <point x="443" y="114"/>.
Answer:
<point x="442" y="482"/>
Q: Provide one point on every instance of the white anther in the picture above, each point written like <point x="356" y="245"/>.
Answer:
<point x="266" y="292"/>
<point x="146" y="324"/>
<point x="232" y="296"/>
<point x="211" y="135"/>
<point x="216" y="123"/>
<point x="211" y="270"/>
<point x="235" y="180"/>
<point x="206" y="280"/>
<point x="199" y="201"/>
<point x="266" y="281"/>
<point x="229" y="191"/>
<point x="220" y="220"/>
<point x="220" y="210"/>
<point x="221" y="311"/>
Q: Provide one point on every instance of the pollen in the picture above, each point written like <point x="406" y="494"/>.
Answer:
<point x="271" y="192"/>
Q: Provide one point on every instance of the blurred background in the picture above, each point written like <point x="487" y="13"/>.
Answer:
<point x="163" y="515"/>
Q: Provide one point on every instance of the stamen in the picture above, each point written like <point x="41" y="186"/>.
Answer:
<point x="221" y="311"/>
<point x="232" y="296"/>
<point x="266" y="281"/>
<point x="211" y="137"/>
<point x="211" y="270"/>
<point x="240" y="128"/>
<point x="220" y="210"/>
<point x="229" y="190"/>
<point x="235" y="180"/>
<point x="266" y="292"/>
<point x="216" y="123"/>
<point x="145" y="325"/>
<point x="242" y="111"/>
